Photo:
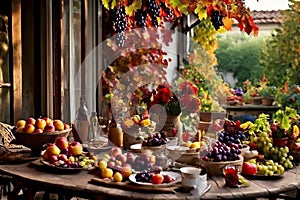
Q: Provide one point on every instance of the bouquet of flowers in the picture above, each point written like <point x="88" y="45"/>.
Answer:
<point x="182" y="100"/>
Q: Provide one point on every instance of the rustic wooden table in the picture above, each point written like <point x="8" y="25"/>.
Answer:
<point x="34" y="177"/>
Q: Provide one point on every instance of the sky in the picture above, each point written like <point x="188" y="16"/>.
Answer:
<point x="267" y="4"/>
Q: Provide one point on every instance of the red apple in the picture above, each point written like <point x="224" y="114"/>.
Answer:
<point x="40" y="123"/>
<point x="157" y="179"/>
<point x="52" y="149"/>
<point x="61" y="142"/>
<point x="49" y="128"/>
<point x="115" y="151"/>
<point x="30" y="120"/>
<point x="75" y="148"/>
<point x="249" y="168"/>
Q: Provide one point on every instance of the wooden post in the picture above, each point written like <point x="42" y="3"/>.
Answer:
<point x="16" y="60"/>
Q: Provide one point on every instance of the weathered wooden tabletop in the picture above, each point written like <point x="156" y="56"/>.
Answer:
<point x="78" y="185"/>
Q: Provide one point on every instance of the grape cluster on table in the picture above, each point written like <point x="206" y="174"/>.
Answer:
<point x="156" y="139"/>
<point x="229" y="144"/>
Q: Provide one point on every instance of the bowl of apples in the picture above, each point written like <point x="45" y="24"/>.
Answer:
<point x="35" y="132"/>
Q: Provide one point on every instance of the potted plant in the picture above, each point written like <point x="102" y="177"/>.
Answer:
<point x="281" y="126"/>
<point x="268" y="94"/>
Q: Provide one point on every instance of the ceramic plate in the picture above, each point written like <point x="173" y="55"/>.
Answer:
<point x="62" y="169"/>
<point x="136" y="147"/>
<point x="175" y="175"/>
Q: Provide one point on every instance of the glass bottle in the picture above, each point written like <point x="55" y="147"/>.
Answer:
<point x="82" y="121"/>
<point x="115" y="134"/>
<point x="94" y="127"/>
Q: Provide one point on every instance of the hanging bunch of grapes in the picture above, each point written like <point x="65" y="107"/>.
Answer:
<point x="118" y="17"/>
<point x="153" y="13"/>
<point x="216" y="19"/>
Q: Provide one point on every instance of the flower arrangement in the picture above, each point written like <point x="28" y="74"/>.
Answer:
<point x="184" y="100"/>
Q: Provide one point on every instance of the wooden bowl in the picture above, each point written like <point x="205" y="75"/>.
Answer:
<point x="35" y="141"/>
<point x="217" y="167"/>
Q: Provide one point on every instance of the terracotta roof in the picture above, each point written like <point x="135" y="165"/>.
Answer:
<point x="266" y="17"/>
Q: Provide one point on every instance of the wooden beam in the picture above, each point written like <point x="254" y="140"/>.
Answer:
<point x="57" y="59"/>
<point x="16" y="41"/>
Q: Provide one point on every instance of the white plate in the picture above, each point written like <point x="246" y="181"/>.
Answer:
<point x="175" y="175"/>
<point x="136" y="146"/>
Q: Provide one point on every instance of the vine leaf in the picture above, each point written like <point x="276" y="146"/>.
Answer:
<point x="130" y="10"/>
<point x="106" y="4"/>
<point x="227" y="23"/>
<point x="202" y="14"/>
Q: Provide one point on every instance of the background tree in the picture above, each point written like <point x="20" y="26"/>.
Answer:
<point x="280" y="55"/>
<point x="240" y="54"/>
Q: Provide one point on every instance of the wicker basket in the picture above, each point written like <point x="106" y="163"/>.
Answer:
<point x="35" y="141"/>
<point x="217" y="167"/>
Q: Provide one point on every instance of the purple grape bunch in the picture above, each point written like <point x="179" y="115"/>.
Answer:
<point x="221" y="152"/>
<point x="156" y="139"/>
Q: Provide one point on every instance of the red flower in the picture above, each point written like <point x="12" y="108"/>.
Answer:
<point x="188" y="88"/>
<point x="164" y="94"/>
<point x="191" y="103"/>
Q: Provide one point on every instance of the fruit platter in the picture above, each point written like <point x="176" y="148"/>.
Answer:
<point x="63" y="155"/>
<point x="35" y="132"/>
<point x="161" y="179"/>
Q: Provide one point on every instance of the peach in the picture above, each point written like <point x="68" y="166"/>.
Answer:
<point x="157" y="179"/>
<point x="29" y="128"/>
<point x="40" y="123"/>
<point x="59" y="125"/>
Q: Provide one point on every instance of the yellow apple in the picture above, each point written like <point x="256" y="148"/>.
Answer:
<point x="29" y="128"/>
<point x="52" y="149"/>
<point x="48" y="120"/>
<point x="20" y="129"/>
<point x="75" y="148"/>
<point x="40" y="123"/>
<point x="20" y="123"/>
<point x="59" y="125"/>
